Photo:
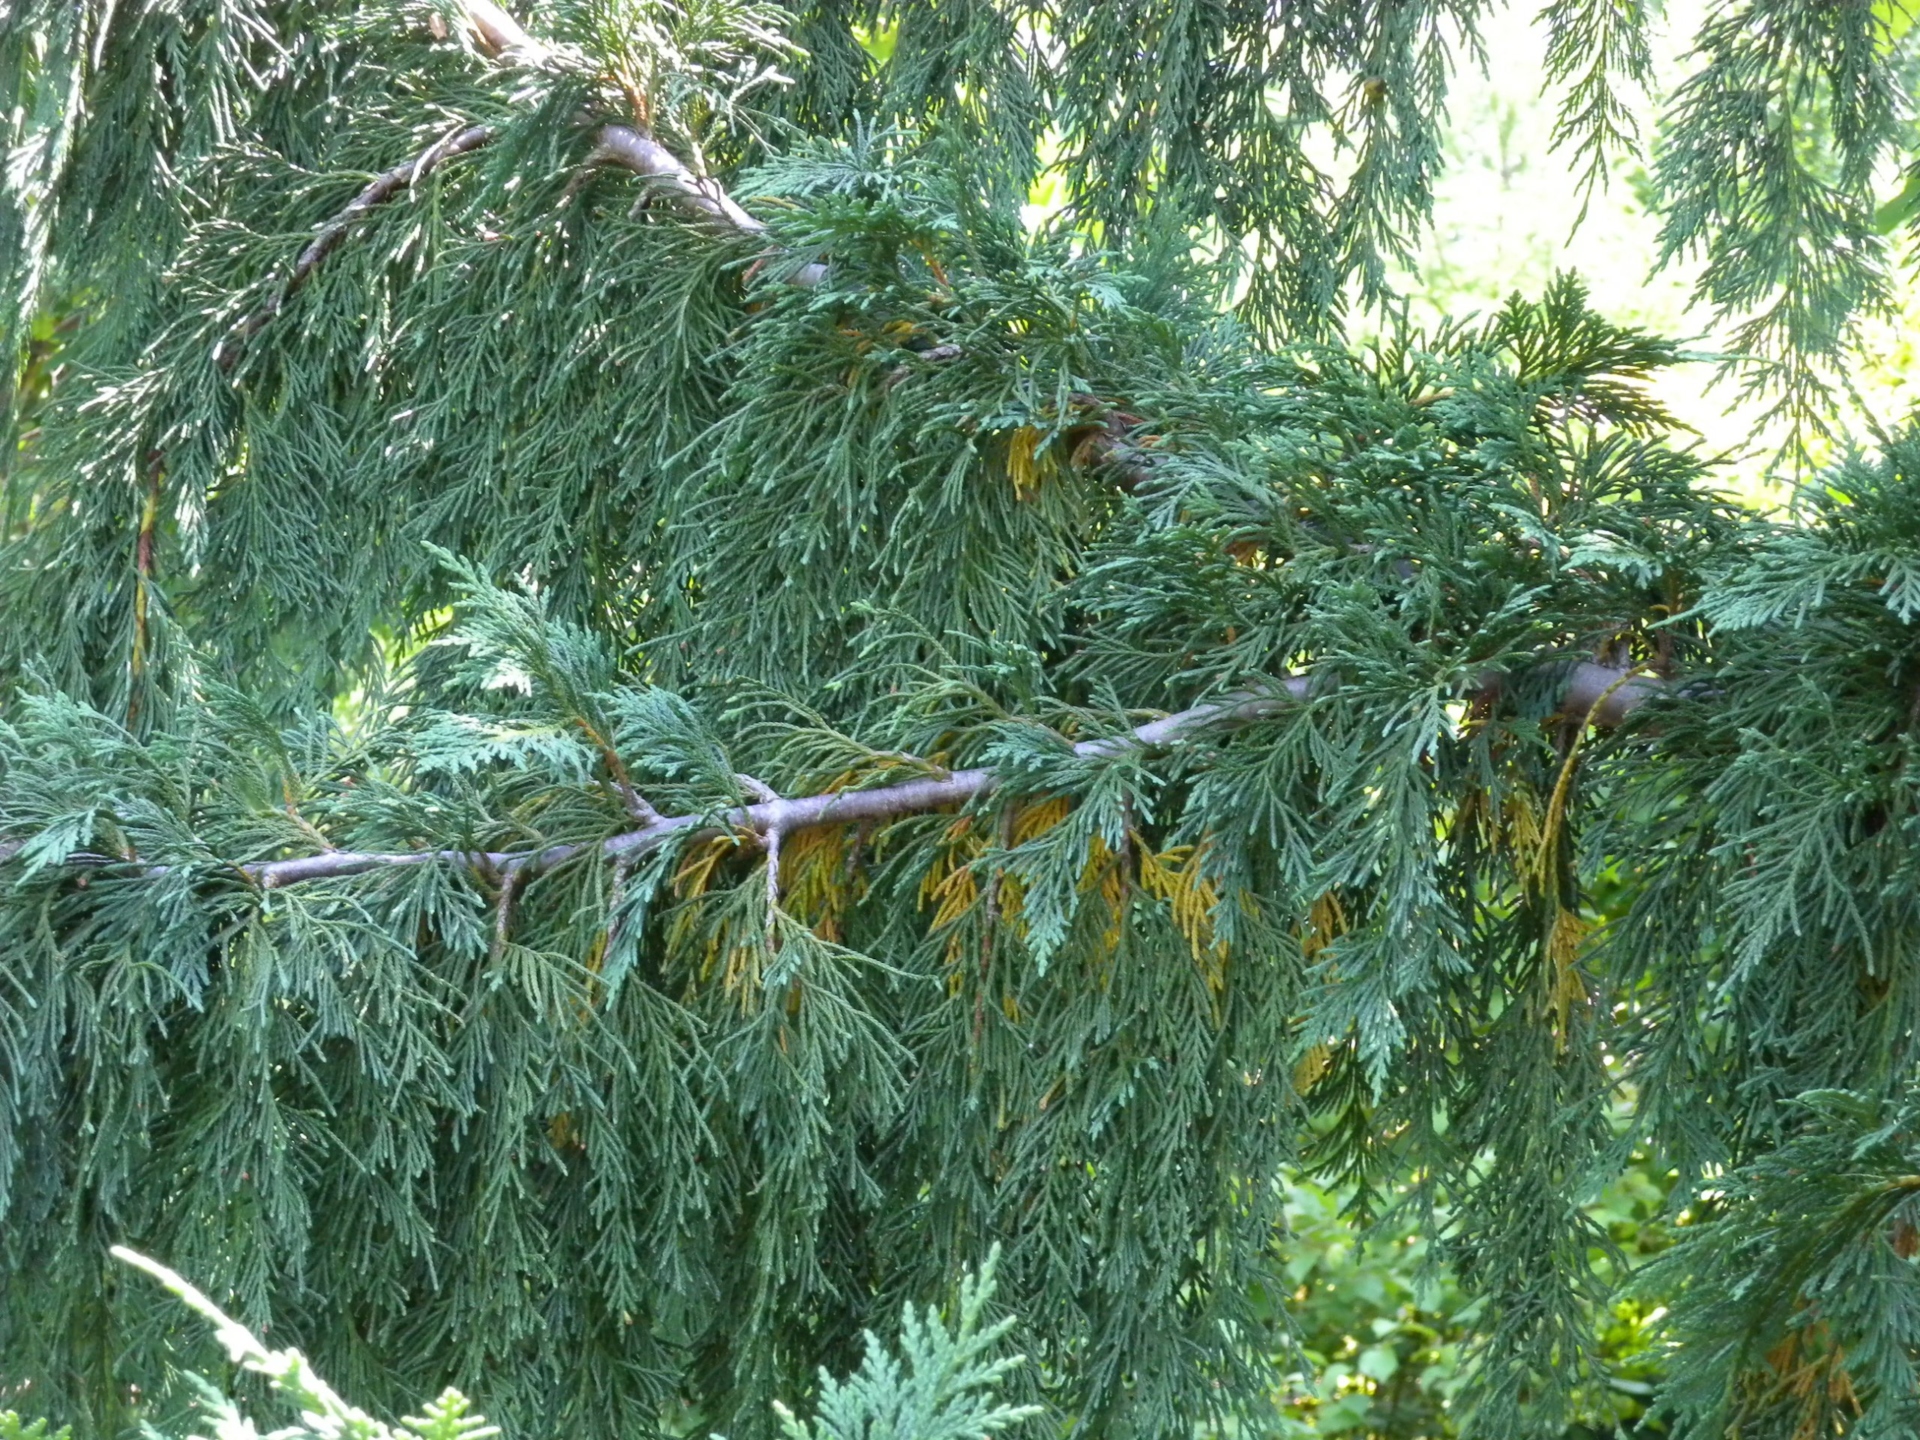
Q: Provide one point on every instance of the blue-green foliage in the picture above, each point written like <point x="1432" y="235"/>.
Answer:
<point x="1797" y="1306"/>
<point x="541" y="507"/>
<point x="941" y="1386"/>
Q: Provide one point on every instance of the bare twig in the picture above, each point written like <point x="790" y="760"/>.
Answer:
<point x="502" y="36"/>
<point x="622" y="867"/>
<point x="773" y="884"/>
<point x="666" y="174"/>
<point x="632" y="146"/>
<point x="143" y="583"/>
<point x="653" y="162"/>
<point x="503" y="914"/>
<point x="771" y="836"/>
<point x="1604" y="695"/>
<point x="636" y="805"/>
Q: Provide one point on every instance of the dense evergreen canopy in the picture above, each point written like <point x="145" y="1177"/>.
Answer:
<point x="637" y="723"/>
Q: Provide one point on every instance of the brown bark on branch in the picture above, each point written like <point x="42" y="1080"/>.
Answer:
<point x="632" y="146"/>
<point x="653" y="162"/>
<point x="500" y="35"/>
<point x="776" y="816"/>
<point x="665" y="174"/>
<point x="1605" y="696"/>
<point x="1601" y="695"/>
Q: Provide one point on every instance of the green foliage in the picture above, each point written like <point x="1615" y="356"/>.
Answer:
<point x="941" y="1386"/>
<point x="408" y="650"/>
<point x="323" y="1414"/>
<point x="1386" y="1334"/>
<point x="1381" y="1347"/>
<point x="1773" y="149"/>
<point x="1798" y="1307"/>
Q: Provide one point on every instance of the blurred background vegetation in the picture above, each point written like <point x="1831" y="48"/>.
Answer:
<point x="1383" y="1328"/>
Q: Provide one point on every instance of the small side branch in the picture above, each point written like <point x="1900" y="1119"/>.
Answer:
<point x="758" y="789"/>
<point x="494" y="31"/>
<point x="503" y="915"/>
<point x="703" y="196"/>
<point x="665" y="172"/>
<point x="143" y="583"/>
<point x="773" y="885"/>
<point x="384" y="187"/>
<point x="1603" y="695"/>
<point x="502" y="36"/>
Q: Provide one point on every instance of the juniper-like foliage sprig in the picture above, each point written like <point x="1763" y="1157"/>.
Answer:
<point x="638" y="721"/>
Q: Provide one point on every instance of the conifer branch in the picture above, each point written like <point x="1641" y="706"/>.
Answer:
<point x="503" y="913"/>
<point x="759" y="789"/>
<point x="632" y="146"/>
<point x="772" y="839"/>
<point x="653" y="162"/>
<point x="1604" y="695"/>
<point x="503" y="38"/>
<point x="143" y="582"/>
<point x="1108" y="447"/>
<point x="781" y="816"/>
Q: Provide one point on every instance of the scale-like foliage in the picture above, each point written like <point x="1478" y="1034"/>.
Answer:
<point x="605" y="779"/>
<point x="1798" y="1310"/>
<point x="1773" y="150"/>
<point x="943" y="1385"/>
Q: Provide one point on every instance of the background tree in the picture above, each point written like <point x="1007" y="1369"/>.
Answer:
<point x="638" y="723"/>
